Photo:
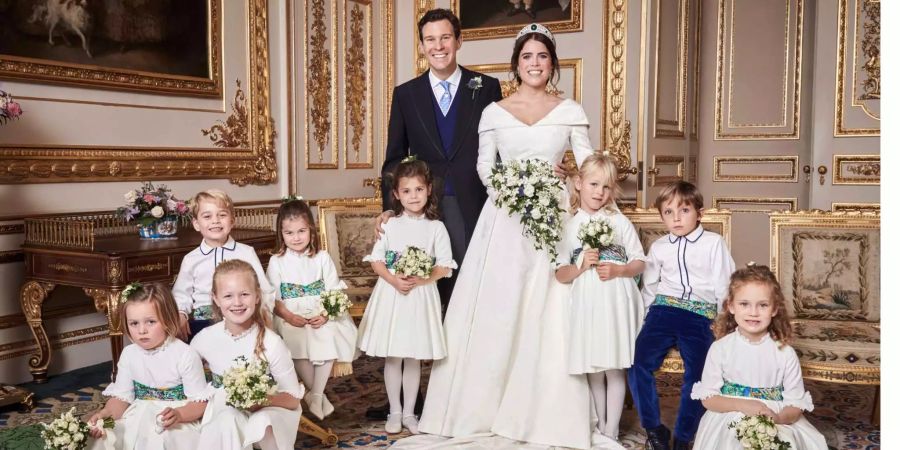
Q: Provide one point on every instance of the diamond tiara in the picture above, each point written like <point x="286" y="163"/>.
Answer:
<point x="536" y="28"/>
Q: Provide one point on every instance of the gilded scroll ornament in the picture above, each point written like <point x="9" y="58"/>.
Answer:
<point x="234" y="131"/>
<point x="871" y="48"/>
<point x="106" y="301"/>
<point x="867" y="169"/>
<point x="618" y="130"/>
<point x="319" y="82"/>
<point x="31" y="297"/>
<point x="115" y="272"/>
<point x="356" y="79"/>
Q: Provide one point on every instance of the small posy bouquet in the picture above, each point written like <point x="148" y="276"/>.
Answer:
<point x="531" y="189"/>
<point x="595" y="233"/>
<point x="414" y="261"/>
<point x="68" y="432"/>
<point x="150" y="204"/>
<point x="248" y="384"/>
<point x="758" y="433"/>
<point x="335" y="302"/>
<point x="9" y="109"/>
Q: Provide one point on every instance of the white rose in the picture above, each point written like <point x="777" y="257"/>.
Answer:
<point x="130" y="197"/>
<point x="157" y="212"/>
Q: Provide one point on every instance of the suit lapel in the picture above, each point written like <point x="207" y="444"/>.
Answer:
<point x="424" y="111"/>
<point x="465" y="118"/>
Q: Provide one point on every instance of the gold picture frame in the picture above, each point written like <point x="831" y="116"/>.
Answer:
<point x="345" y="229"/>
<point x="95" y="74"/>
<point x="497" y="30"/>
<point x="241" y="149"/>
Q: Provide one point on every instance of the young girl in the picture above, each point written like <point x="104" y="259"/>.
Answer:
<point x="402" y="321"/>
<point x="300" y="271"/>
<point x="605" y="310"/>
<point x="160" y="392"/>
<point x="243" y="332"/>
<point x="751" y="370"/>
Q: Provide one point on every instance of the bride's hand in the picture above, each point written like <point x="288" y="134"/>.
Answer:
<point x="560" y="171"/>
<point x="591" y="258"/>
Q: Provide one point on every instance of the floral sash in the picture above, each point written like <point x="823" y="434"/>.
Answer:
<point x="739" y="390"/>
<point x="144" y="392"/>
<point x="702" y="308"/>
<point x="294" y="290"/>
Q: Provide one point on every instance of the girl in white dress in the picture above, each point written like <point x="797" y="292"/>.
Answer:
<point x="300" y="271"/>
<point x="160" y="393"/>
<point x="243" y="332"/>
<point x="605" y="307"/>
<point x="751" y="370"/>
<point x="402" y="321"/>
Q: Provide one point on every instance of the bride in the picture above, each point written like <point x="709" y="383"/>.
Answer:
<point x="504" y="377"/>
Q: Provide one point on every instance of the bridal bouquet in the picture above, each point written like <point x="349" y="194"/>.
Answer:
<point x="758" y="433"/>
<point x="248" y="384"/>
<point x="414" y="261"/>
<point x="595" y="233"/>
<point x="68" y="432"/>
<point x="531" y="189"/>
<point x="335" y="302"/>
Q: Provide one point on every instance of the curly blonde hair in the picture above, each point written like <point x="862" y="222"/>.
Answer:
<point x="780" y="327"/>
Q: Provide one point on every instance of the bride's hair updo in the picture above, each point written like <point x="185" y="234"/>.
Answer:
<point x="517" y="50"/>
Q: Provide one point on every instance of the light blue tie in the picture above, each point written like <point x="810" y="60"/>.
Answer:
<point x="445" y="99"/>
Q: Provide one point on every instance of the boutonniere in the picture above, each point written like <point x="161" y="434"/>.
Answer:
<point x="474" y="85"/>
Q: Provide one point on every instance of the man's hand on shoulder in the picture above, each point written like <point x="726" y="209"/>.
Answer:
<point x="381" y="220"/>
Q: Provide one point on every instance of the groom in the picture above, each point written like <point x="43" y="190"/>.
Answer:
<point x="435" y="117"/>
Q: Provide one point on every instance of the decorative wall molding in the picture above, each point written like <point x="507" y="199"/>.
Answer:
<point x="12" y="228"/>
<point x="695" y="113"/>
<point x="319" y="74"/>
<point x="421" y="7"/>
<point x="857" y="103"/>
<point x="672" y="126"/>
<point x="673" y="162"/>
<point x="234" y="132"/>
<point x="388" y="43"/>
<point x="790" y="175"/>
<point x="615" y="134"/>
<point x="82" y="336"/>
<point x="865" y="207"/>
<point x="54" y="312"/>
<point x="11" y="256"/>
<point x="856" y="169"/>
<point x="359" y="104"/>
<point x="787" y="126"/>
<point x="23" y="164"/>
<point x="573" y="64"/>
<point x="757" y="204"/>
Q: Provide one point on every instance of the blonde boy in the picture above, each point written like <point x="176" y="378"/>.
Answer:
<point x="212" y="213"/>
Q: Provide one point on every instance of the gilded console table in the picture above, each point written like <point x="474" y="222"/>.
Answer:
<point x="101" y="254"/>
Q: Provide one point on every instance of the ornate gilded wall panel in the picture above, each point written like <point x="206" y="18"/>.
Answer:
<point x="421" y="6"/>
<point x="864" y="207"/>
<point x="857" y="106"/>
<point x="358" y="105"/>
<point x="668" y="169"/>
<point x="615" y="135"/>
<point x="755" y="204"/>
<point x="319" y="73"/>
<point x="226" y="158"/>
<point x="569" y="85"/>
<point x="776" y="169"/>
<point x="758" y="96"/>
<point x="856" y="169"/>
<point x="670" y="99"/>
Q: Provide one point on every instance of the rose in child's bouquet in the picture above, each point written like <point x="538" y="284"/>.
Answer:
<point x="151" y="203"/>
<point x="335" y="303"/>
<point x="758" y="433"/>
<point x="414" y="262"/>
<point x="595" y="233"/>
<point x="68" y="432"/>
<point x="9" y="109"/>
<point x="531" y="189"/>
<point x="247" y="383"/>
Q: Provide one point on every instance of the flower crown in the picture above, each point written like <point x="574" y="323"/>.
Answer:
<point x="409" y="159"/>
<point x="536" y="28"/>
<point x="290" y="198"/>
<point x="129" y="290"/>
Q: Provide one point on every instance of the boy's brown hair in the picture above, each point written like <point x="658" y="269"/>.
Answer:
<point x="217" y="196"/>
<point x="686" y="192"/>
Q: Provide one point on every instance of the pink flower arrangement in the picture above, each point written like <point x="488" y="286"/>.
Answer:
<point x="9" y="109"/>
<point x="150" y="204"/>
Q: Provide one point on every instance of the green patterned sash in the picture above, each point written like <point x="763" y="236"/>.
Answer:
<point x="202" y="313"/>
<point x="144" y="392"/>
<point x="739" y="390"/>
<point x="702" y="308"/>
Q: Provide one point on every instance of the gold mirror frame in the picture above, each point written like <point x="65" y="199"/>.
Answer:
<point x="254" y="164"/>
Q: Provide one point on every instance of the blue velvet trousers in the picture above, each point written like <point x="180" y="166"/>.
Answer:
<point x="666" y="327"/>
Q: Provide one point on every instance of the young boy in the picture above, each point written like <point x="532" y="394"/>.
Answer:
<point x="685" y="282"/>
<point x="212" y="214"/>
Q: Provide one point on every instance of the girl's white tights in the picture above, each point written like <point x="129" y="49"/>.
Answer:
<point x="406" y="372"/>
<point x="313" y="377"/>
<point x="608" y="391"/>
<point x="268" y="441"/>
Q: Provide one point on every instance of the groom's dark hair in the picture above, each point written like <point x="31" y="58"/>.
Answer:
<point x="437" y="15"/>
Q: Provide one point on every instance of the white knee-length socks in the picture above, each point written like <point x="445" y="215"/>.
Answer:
<point x="406" y="372"/>
<point x="314" y="377"/>
<point x="608" y="392"/>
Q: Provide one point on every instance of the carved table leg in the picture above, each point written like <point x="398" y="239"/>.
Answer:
<point x="32" y="296"/>
<point x="107" y="302"/>
<point x="326" y="437"/>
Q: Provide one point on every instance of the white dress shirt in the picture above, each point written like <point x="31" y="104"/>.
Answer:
<point x="697" y="266"/>
<point x="438" y="90"/>
<point x="193" y="285"/>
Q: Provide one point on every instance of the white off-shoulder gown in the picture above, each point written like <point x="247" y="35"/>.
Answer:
<point x="504" y="379"/>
